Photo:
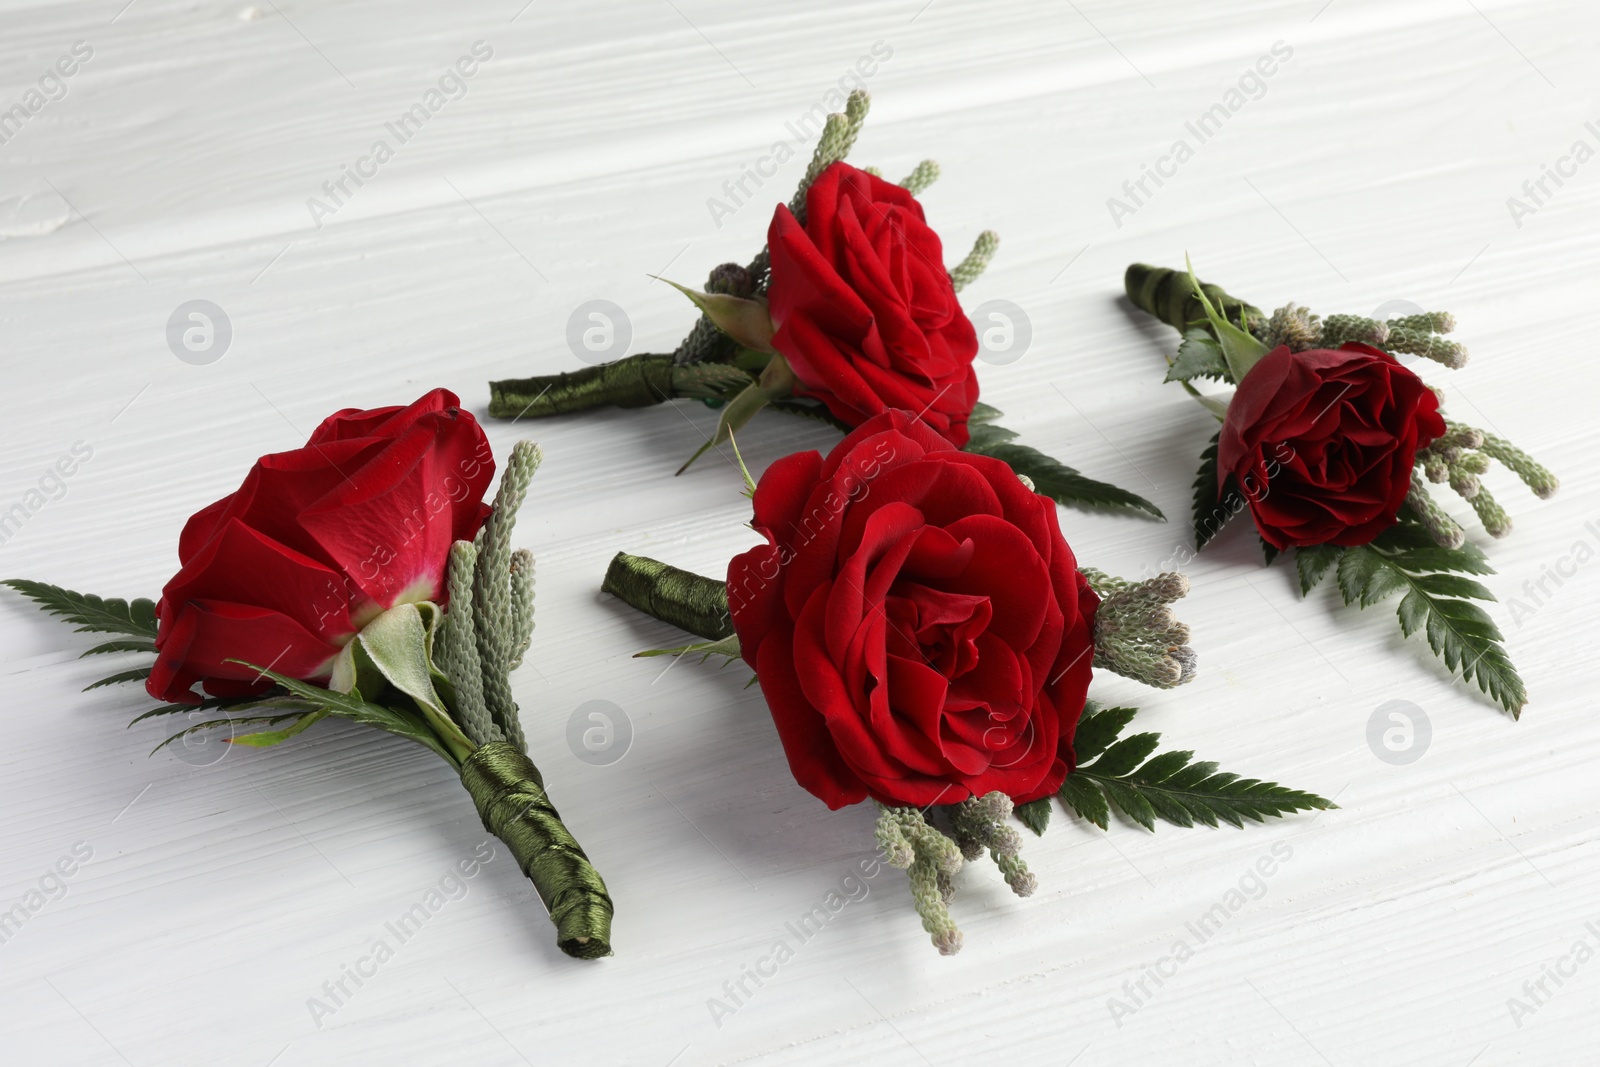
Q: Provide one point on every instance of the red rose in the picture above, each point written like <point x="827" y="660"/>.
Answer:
<point x="917" y="622"/>
<point x="317" y="542"/>
<point x="1322" y="443"/>
<point x="863" y="309"/>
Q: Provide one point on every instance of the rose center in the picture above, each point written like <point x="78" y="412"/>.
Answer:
<point x="937" y="627"/>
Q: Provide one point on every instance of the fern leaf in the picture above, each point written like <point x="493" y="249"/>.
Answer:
<point x="1438" y="602"/>
<point x="236" y="721"/>
<point x="1086" y="801"/>
<point x="1313" y="563"/>
<point x="267" y="738"/>
<point x="985" y="436"/>
<point x="983" y="413"/>
<point x="137" y="674"/>
<point x="208" y="704"/>
<point x="1035" y="815"/>
<point x="1126" y="754"/>
<point x="92" y="614"/>
<point x="123" y="644"/>
<point x="402" y="723"/>
<point x="1098" y="728"/>
<point x="1170" y="786"/>
<point x="1211" y="510"/>
<point x="1060" y="482"/>
<point x="1366" y="577"/>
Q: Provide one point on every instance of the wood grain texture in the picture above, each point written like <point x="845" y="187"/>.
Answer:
<point x="1375" y="165"/>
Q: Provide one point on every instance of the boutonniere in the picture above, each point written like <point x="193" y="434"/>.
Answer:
<point x="363" y="576"/>
<point x="925" y="639"/>
<point x="848" y="312"/>
<point x="1332" y="442"/>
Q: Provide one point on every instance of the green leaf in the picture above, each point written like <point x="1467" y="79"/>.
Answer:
<point x="1060" y="482"/>
<point x="1097" y="729"/>
<point x="727" y="647"/>
<point x="241" y="720"/>
<point x="1313" y="562"/>
<point x="207" y="704"/>
<point x="1128" y="800"/>
<point x="808" y="409"/>
<point x="1425" y="554"/>
<point x="1085" y="800"/>
<point x="1468" y="559"/>
<point x="396" y="646"/>
<point x="748" y="322"/>
<point x="1365" y="577"/>
<point x="396" y="643"/>
<point x="398" y="721"/>
<point x="1240" y="347"/>
<point x="1170" y="787"/>
<point x="137" y="674"/>
<point x="1199" y="356"/>
<point x="1437" y="603"/>
<point x="777" y="382"/>
<point x="265" y="738"/>
<point x="1124" y="755"/>
<point x="1211" y="510"/>
<point x="1216" y="405"/>
<point x="1268" y="550"/>
<point x="983" y="413"/>
<point x="1454" y="585"/>
<point x="987" y="435"/>
<point x="122" y="644"/>
<point x="92" y="614"/>
<point x="1035" y="815"/>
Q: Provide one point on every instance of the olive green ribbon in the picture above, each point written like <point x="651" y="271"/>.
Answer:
<point x="687" y="600"/>
<point x="1167" y="295"/>
<point x="508" y="791"/>
<point x="634" y="382"/>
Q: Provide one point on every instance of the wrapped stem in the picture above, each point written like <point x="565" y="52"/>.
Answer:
<point x="636" y="381"/>
<point x="688" y="601"/>
<point x="1167" y="295"/>
<point x="511" y="800"/>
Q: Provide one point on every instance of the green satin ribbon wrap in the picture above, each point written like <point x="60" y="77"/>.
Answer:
<point x="509" y="793"/>
<point x="1168" y="296"/>
<point x="634" y="382"/>
<point x="687" y="600"/>
<point x="637" y="381"/>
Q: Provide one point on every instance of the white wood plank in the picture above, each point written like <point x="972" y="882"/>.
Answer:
<point x="219" y="898"/>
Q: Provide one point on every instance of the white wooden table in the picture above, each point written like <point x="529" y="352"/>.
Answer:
<point x="218" y="896"/>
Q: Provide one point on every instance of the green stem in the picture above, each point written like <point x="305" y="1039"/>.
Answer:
<point x="448" y="738"/>
<point x="510" y="797"/>
<point x="688" y="601"/>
